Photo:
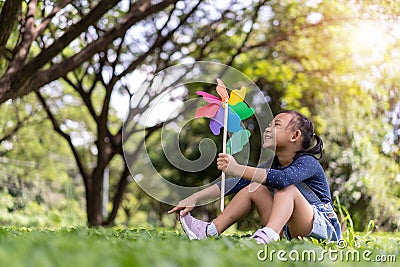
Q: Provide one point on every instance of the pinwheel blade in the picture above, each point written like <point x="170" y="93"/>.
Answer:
<point x="217" y="122"/>
<point x="208" y="111"/>
<point x="237" y="141"/>
<point x="242" y="110"/>
<point x="209" y="98"/>
<point x="234" y="122"/>
<point x="221" y="90"/>
<point x="237" y="96"/>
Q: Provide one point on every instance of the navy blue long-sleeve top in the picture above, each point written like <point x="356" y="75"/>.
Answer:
<point x="304" y="168"/>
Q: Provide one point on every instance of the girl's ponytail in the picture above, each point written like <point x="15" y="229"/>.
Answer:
<point x="315" y="150"/>
<point x="306" y="127"/>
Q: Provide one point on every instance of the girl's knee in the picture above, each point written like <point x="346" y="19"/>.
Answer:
<point x="256" y="188"/>
<point x="258" y="191"/>
<point x="289" y="189"/>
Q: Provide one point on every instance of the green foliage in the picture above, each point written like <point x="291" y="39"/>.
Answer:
<point x="335" y="61"/>
<point x="160" y="247"/>
<point x="39" y="185"/>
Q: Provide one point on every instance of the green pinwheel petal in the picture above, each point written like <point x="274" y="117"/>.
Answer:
<point x="242" y="110"/>
<point x="237" y="141"/>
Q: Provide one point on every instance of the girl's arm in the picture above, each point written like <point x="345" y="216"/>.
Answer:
<point x="228" y="164"/>
<point x="232" y="185"/>
<point x="208" y="193"/>
<point x="187" y="204"/>
<point x="302" y="169"/>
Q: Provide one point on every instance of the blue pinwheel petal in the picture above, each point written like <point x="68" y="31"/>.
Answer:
<point x="217" y="122"/>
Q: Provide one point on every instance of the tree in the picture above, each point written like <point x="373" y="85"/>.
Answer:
<point x="302" y="54"/>
<point x="39" y="183"/>
<point x="89" y="58"/>
<point x="16" y="116"/>
<point x="32" y="49"/>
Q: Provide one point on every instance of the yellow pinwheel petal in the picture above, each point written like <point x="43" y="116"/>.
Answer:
<point x="237" y="96"/>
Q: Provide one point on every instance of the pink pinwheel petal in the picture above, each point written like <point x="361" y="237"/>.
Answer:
<point x="209" y="98"/>
<point x="208" y="111"/>
<point x="221" y="90"/>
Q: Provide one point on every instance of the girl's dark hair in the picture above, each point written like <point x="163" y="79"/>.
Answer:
<point x="305" y="125"/>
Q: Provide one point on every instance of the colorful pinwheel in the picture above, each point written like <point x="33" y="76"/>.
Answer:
<point x="237" y="111"/>
<point x="227" y="112"/>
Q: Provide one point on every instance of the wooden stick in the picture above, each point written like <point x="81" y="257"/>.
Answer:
<point x="225" y="136"/>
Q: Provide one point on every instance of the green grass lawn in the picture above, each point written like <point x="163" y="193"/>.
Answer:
<point x="161" y="247"/>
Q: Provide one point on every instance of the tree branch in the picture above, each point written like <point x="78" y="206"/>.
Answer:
<point x="117" y="199"/>
<point x="46" y="21"/>
<point x="99" y="73"/>
<point x="73" y="32"/>
<point x="123" y="181"/>
<point x="136" y="15"/>
<point x="160" y="41"/>
<point x="14" y="130"/>
<point x="8" y="17"/>
<point x="57" y="128"/>
<point x="85" y="97"/>
<point x="239" y="50"/>
<point x="22" y="49"/>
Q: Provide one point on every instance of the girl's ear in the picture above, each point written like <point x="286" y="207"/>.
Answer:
<point x="296" y="136"/>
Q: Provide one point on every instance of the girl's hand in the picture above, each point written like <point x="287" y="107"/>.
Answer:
<point x="227" y="164"/>
<point x="184" y="206"/>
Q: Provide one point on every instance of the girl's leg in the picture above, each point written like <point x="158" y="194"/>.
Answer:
<point x="291" y="207"/>
<point x="263" y="201"/>
<point x="241" y="204"/>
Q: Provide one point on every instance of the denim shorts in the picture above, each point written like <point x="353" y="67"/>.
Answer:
<point x="326" y="225"/>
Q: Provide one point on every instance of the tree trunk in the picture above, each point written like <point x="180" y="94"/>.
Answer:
<point x="94" y="201"/>
<point x="117" y="200"/>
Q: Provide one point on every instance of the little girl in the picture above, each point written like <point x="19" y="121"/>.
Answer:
<point x="291" y="197"/>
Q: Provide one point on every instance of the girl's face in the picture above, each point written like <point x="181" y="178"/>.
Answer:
<point x="278" y="134"/>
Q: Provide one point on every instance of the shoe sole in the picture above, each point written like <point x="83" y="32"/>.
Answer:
<point x="186" y="229"/>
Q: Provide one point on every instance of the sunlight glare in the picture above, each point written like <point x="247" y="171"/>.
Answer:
<point x="368" y="41"/>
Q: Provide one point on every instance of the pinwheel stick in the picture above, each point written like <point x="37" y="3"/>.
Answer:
<point x="224" y="137"/>
<point x="227" y="112"/>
